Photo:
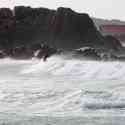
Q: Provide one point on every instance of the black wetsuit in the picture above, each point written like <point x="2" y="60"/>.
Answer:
<point x="47" y="52"/>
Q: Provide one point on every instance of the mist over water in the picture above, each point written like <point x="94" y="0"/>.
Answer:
<point x="62" y="87"/>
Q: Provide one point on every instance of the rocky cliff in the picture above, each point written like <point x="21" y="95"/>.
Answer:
<point x="26" y="27"/>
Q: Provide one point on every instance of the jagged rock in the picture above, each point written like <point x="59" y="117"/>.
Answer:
<point x="2" y="54"/>
<point x="20" y="52"/>
<point x="63" y="28"/>
<point x="113" y="42"/>
<point x="24" y="29"/>
<point x="89" y="53"/>
<point x="7" y="20"/>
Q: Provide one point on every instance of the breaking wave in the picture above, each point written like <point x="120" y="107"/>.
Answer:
<point x="95" y="85"/>
<point x="85" y="69"/>
<point x="62" y="85"/>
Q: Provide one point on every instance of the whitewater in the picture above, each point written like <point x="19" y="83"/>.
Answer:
<point x="62" y="91"/>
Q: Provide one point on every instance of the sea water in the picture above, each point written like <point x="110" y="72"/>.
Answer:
<point x="62" y="91"/>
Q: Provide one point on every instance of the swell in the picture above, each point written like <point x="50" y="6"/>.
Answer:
<point x="95" y="100"/>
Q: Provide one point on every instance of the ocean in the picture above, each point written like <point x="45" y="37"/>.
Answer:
<point x="62" y="91"/>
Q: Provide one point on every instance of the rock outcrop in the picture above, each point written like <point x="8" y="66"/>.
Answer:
<point x="113" y="42"/>
<point x="63" y="28"/>
<point x="24" y="29"/>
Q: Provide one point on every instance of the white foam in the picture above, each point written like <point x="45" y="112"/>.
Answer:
<point x="58" y="66"/>
<point x="61" y="86"/>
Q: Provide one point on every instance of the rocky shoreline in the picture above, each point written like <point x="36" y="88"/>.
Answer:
<point x="24" y="30"/>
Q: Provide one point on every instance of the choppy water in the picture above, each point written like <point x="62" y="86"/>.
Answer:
<point x="62" y="91"/>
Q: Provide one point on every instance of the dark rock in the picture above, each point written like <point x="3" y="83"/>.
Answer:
<point x="89" y="53"/>
<point x="113" y="42"/>
<point x="2" y="55"/>
<point x="7" y="20"/>
<point x="21" y="52"/>
<point x="7" y="27"/>
<point x="63" y="28"/>
<point x="24" y="30"/>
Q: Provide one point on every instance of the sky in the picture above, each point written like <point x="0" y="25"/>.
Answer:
<point x="107" y="9"/>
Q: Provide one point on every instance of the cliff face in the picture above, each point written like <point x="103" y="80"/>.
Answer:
<point x="69" y="29"/>
<point x="62" y="28"/>
<point x="7" y="27"/>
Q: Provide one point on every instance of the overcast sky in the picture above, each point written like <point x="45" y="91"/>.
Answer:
<point x="110" y="9"/>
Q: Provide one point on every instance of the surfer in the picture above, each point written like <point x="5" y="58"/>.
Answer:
<point x="46" y="52"/>
<point x="45" y="57"/>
